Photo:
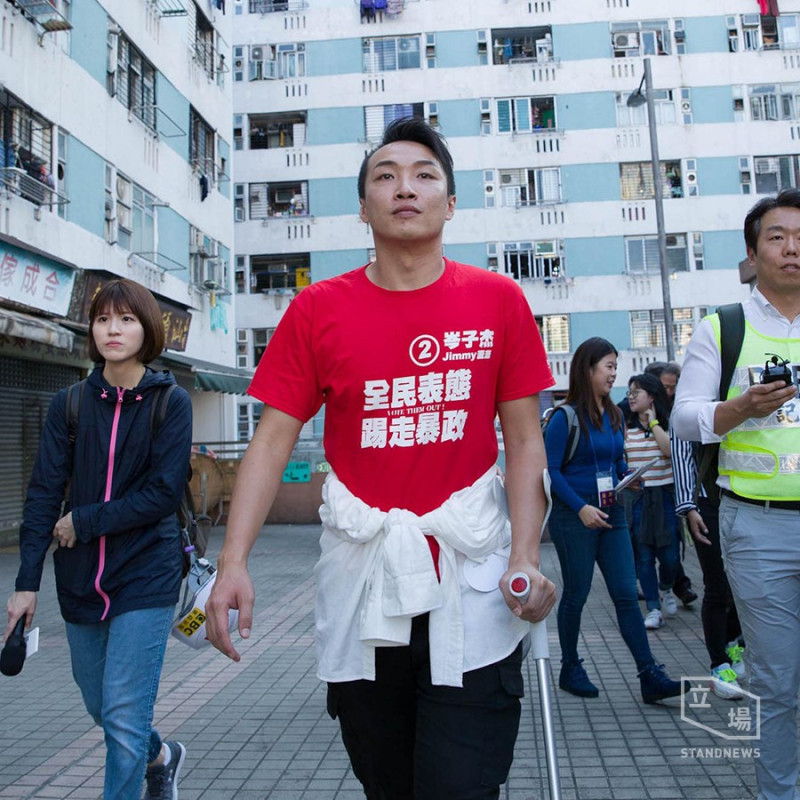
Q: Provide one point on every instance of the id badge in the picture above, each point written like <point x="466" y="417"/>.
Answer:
<point x="605" y="489"/>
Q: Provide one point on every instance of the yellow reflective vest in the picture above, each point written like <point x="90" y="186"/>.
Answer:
<point x="762" y="455"/>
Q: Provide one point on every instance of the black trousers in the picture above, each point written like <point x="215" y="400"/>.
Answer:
<point x="410" y="740"/>
<point x="720" y="620"/>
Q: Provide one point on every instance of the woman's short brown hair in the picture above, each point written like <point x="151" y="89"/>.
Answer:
<point x="126" y="295"/>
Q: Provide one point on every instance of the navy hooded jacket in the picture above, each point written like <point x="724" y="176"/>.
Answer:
<point x="124" y="489"/>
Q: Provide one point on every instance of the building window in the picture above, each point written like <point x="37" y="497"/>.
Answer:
<point x="378" y="118"/>
<point x="774" y="102"/>
<point x="641" y="253"/>
<point x="240" y="275"/>
<point x="664" y="104"/>
<point x="789" y="31"/>
<point x="61" y="171"/>
<point x="201" y="145"/>
<point x="636" y="180"/>
<point x="25" y="151"/>
<point x="522" y="45"/>
<point x="391" y="53"/>
<point x="268" y="131"/>
<point x="276" y="61"/>
<point x="133" y="81"/>
<point x="647" y="327"/>
<point x="204" y="43"/>
<point x="124" y="213"/>
<point x="646" y="38"/>
<point x="261" y="337"/>
<point x="267" y="6"/>
<point x="775" y="173"/>
<point x="281" y="271"/>
<point x="249" y="415"/>
<point x="143" y="235"/>
<point x="533" y="260"/>
<point x="525" y="114"/>
<point x="287" y="199"/>
<point x="529" y="187"/>
<point x="554" y="329"/>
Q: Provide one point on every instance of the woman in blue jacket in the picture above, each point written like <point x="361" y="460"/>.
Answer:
<point x="118" y="558"/>
<point x="587" y="526"/>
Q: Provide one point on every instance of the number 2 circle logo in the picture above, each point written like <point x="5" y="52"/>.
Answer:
<point x="424" y="350"/>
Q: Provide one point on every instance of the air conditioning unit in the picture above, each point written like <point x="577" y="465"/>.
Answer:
<point x="238" y="64"/>
<point x="242" y="335"/>
<point x="256" y="53"/>
<point x="545" y="248"/>
<point x="626" y="41"/>
<point x="686" y="106"/>
<point x="284" y="195"/>
<point x="123" y="190"/>
<point x="239" y="214"/>
<point x="406" y="44"/>
<point x="766" y="166"/>
<point x="676" y="240"/>
<point x="751" y="20"/>
<point x="691" y="178"/>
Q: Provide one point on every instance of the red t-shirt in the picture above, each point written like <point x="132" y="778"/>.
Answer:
<point x="410" y="380"/>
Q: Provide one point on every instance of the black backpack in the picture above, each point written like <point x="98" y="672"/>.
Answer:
<point x="194" y="528"/>
<point x="731" y="336"/>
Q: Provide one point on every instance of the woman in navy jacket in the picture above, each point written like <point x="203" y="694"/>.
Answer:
<point x="118" y="558"/>
<point x="587" y="526"/>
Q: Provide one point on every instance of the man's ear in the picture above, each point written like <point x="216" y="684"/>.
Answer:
<point x="751" y="256"/>
<point x="451" y="207"/>
<point x="362" y="211"/>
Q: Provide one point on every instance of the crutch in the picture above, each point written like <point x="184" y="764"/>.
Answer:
<point x="519" y="586"/>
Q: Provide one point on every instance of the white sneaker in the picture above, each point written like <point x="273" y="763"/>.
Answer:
<point x="669" y="603"/>
<point x="653" y="620"/>
<point x="724" y="683"/>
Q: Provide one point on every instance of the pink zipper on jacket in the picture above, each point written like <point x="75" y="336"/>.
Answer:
<point x="109" y="477"/>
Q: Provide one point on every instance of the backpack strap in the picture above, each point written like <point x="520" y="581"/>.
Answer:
<point x="73" y="407"/>
<point x="158" y="410"/>
<point x="573" y="432"/>
<point x="731" y="337"/>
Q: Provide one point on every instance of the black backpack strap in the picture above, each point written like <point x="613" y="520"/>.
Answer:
<point x="73" y="407"/>
<point x="731" y="337"/>
<point x="158" y="410"/>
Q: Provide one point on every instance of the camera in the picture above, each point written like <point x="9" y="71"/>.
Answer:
<point x="776" y="369"/>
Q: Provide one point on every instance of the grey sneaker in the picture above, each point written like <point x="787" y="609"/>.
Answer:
<point x="162" y="781"/>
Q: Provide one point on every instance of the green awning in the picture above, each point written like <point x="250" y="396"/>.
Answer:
<point x="210" y="377"/>
<point x="220" y="382"/>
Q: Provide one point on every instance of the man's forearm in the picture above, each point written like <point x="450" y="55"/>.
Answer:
<point x="525" y="466"/>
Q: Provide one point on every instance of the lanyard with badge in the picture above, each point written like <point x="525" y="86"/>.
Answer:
<point x="605" y="478"/>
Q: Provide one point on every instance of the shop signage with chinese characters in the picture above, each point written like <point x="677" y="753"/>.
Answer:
<point x="34" y="280"/>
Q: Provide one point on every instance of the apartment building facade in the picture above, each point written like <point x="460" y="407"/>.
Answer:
<point x="553" y="167"/>
<point x="115" y="149"/>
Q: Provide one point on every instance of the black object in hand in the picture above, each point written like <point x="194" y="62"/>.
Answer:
<point x="12" y="657"/>
<point x="776" y="369"/>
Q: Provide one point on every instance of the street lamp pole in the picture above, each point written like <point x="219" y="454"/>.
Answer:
<point x="636" y="100"/>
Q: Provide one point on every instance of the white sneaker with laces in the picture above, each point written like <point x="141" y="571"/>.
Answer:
<point x="669" y="603"/>
<point x="724" y="683"/>
<point x="653" y="620"/>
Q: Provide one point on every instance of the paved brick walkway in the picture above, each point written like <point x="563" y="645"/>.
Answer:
<point x="259" y="730"/>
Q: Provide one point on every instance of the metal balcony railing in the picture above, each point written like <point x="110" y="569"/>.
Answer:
<point x="18" y="181"/>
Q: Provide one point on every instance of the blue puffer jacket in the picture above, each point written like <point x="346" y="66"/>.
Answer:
<point x="124" y="491"/>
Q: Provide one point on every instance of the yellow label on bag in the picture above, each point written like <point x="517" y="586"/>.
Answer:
<point x="192" y="622"/>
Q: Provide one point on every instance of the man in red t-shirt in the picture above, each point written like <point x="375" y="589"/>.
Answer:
<point x="413" y="356"/>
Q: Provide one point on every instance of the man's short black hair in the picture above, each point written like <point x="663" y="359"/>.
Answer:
<point x="788" y="198"/>
<point x="412" y="129"/>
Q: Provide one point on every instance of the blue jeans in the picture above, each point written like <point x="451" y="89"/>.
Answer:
<point x="579" y="548"/>
<point x="761" y="550"/>
<point x="668" y="555"/>
<point x="117" y="666"/>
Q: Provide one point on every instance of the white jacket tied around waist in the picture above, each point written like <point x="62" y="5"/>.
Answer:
<point x="376" y="573"/>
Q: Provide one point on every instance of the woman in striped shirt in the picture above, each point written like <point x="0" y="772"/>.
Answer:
<point x="654" y="522"/>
